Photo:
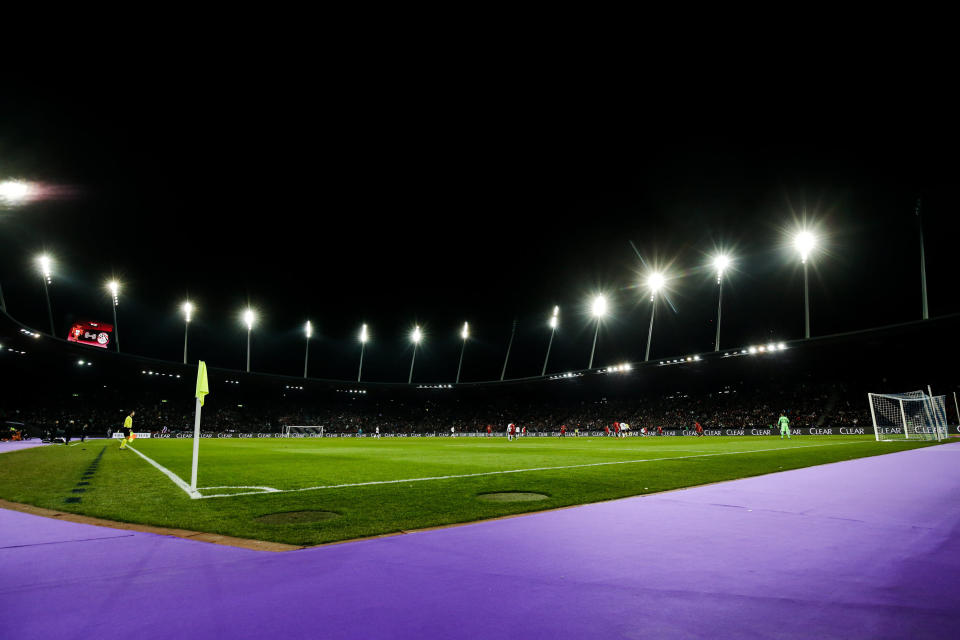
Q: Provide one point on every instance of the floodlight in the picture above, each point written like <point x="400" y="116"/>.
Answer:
<point x="309" y="329"/>
<point x="466" y="331"/>
<point x="771" y="347"/>
<point x="599" y="306"/>
<point x="363" y="334"/>
<point x="248" y="318"/>
<point x="753" y="349"/>
<point x="761" y="348"/>
<point x="720" y="264"/>
<point x="556" y="311"/>
<point x="14" y="191"/>
<point x="804" y="241"/>
<point x="781" y="346"/>
<point x="655" y="282"/>
<point x="416" y="335"/>
<point x="46" y="264"/>
<point x="187" y="309"/>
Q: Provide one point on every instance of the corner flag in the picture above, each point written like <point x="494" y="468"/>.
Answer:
<point x="202" y="387"/>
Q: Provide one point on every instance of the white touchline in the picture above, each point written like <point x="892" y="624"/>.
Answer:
<point x="170" y="474"/>
<point x="484" y="473"/>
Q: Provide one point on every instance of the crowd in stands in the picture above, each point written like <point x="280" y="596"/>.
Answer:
<point x="805" y="405"/>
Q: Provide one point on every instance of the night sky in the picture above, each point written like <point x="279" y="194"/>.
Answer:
<point x="414" y="205"/>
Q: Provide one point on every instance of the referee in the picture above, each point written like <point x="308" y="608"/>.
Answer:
<point x="127" y="430"/>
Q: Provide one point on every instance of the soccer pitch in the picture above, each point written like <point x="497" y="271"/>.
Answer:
<point x="311" y="491"/>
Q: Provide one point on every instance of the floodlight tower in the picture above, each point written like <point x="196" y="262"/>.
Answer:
<point x="249" y="317"/>
<point x="654" y="282"/>
<point x="554" y="320"/>
<point x="114" y="288"/>
<point x="416" y="336"/>
<point x="720" y="264"/>
<point x="805" y="241"/>
<point x="187" y="309"/>
<point x="308" y="330"/>
<point x="363" y="343"/>
<point x="46" y="265"/>
<point x="599" y="310"/>
<point x="12" y="193"/>
<point x="923" y="265"/>
<point x="464" y="333"/>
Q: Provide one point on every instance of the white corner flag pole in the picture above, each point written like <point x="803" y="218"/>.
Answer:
<point x="196" y="447"/>
<point x="202" y="390"/>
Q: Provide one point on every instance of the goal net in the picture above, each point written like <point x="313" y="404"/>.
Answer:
<point x="908" y="416"/>
<point x="291" y="431"/>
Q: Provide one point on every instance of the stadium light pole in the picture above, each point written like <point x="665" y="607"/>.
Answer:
<point x="114" y="288"/>
<point x="554" y="320"/>
<point x="248" y="318"/>
<point x="46" y="266"/>
<point x="416" y="336"/>
<point x="654" y="283"/>
<point x="923" y="265"/>
<point x="509" y="346"/>
<point x="804" y="242"/>
<point x="363" y="343"/>
<point x="306" y="356"/>
<point x="187" y="316"/>
<point x="720" y="263"/>
<point x="465" y="333"/>
<point x="599" y="310"/>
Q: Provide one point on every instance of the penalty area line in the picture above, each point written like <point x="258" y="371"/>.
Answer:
<point x="494" y="473"/>
<point x="177" y="480"/>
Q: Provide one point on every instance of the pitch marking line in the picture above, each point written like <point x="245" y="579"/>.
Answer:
<point x="484" y="473"/>
<point x="177" y="480"/>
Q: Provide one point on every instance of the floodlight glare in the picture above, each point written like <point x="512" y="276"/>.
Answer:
<point x="556" y="311"/>
<point x="14" y="191"/>
<point x="599" y="306"/>
<point x="248" y="318"/>
<point x="781" y="346"/>
<point x="655" y="282"/>
<point x="720" y="264"/>
<point x="45" y="263"/>
<point x="771" y="347"/>
<point x="363" y="334"/>
<point x="466" y="331"/>
<point x="416" y="335"/>
<point x="309" y="329"/>
<point x="187" y="310"/>
<point x="804" y="241"/>
<point x="114" y="287"/>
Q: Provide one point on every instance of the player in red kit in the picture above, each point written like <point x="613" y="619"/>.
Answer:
<point x="563" y="431"/>
<point x="659" y="431"/>
<point x="616" y="429"/>
<point x="607" y="429"/>
<point x="699" y="428"/>
<point x="489" y="429"/>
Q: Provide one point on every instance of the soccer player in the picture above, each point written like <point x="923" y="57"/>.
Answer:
<point x="127" y="430"/>
<point x="643" y="431"/>
<point x="698" y="428"/>
<point x="509" y="432"/>
<point x="563" y="431"/>
<point x="606" y="428"/>
<point x="452" y="433"/>
<point x="377" y="433"/>
<point x="616" y="429"/>
<point x="659" y="431"/>
<point x="359" y="432"/>
<point x="784" y="424"/>
<point x="489" y="429"/>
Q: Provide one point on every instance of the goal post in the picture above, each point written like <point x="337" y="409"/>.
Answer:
<point x="907" y="416"/>
<point x="303" y="431"/>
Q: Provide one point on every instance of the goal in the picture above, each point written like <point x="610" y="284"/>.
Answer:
<point x="908" y="416"/>
<point x="290" y="431"/>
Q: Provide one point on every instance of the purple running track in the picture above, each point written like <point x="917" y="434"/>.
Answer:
<point x="859" y="549"/>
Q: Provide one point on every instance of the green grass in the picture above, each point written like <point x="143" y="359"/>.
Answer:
<point x="125" y="487"/>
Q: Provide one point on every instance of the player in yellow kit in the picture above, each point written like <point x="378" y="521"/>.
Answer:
<point x="127" y="430"/>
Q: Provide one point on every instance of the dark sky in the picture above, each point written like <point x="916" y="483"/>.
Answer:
<point x="411" y="204"/>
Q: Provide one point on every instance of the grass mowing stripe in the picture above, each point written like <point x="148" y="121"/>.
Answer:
<point x="493" y="473"/>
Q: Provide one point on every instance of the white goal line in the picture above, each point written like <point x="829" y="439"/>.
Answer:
<point x="196" y="495"/>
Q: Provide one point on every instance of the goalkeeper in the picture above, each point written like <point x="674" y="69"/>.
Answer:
<point x="784" y="424"/>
